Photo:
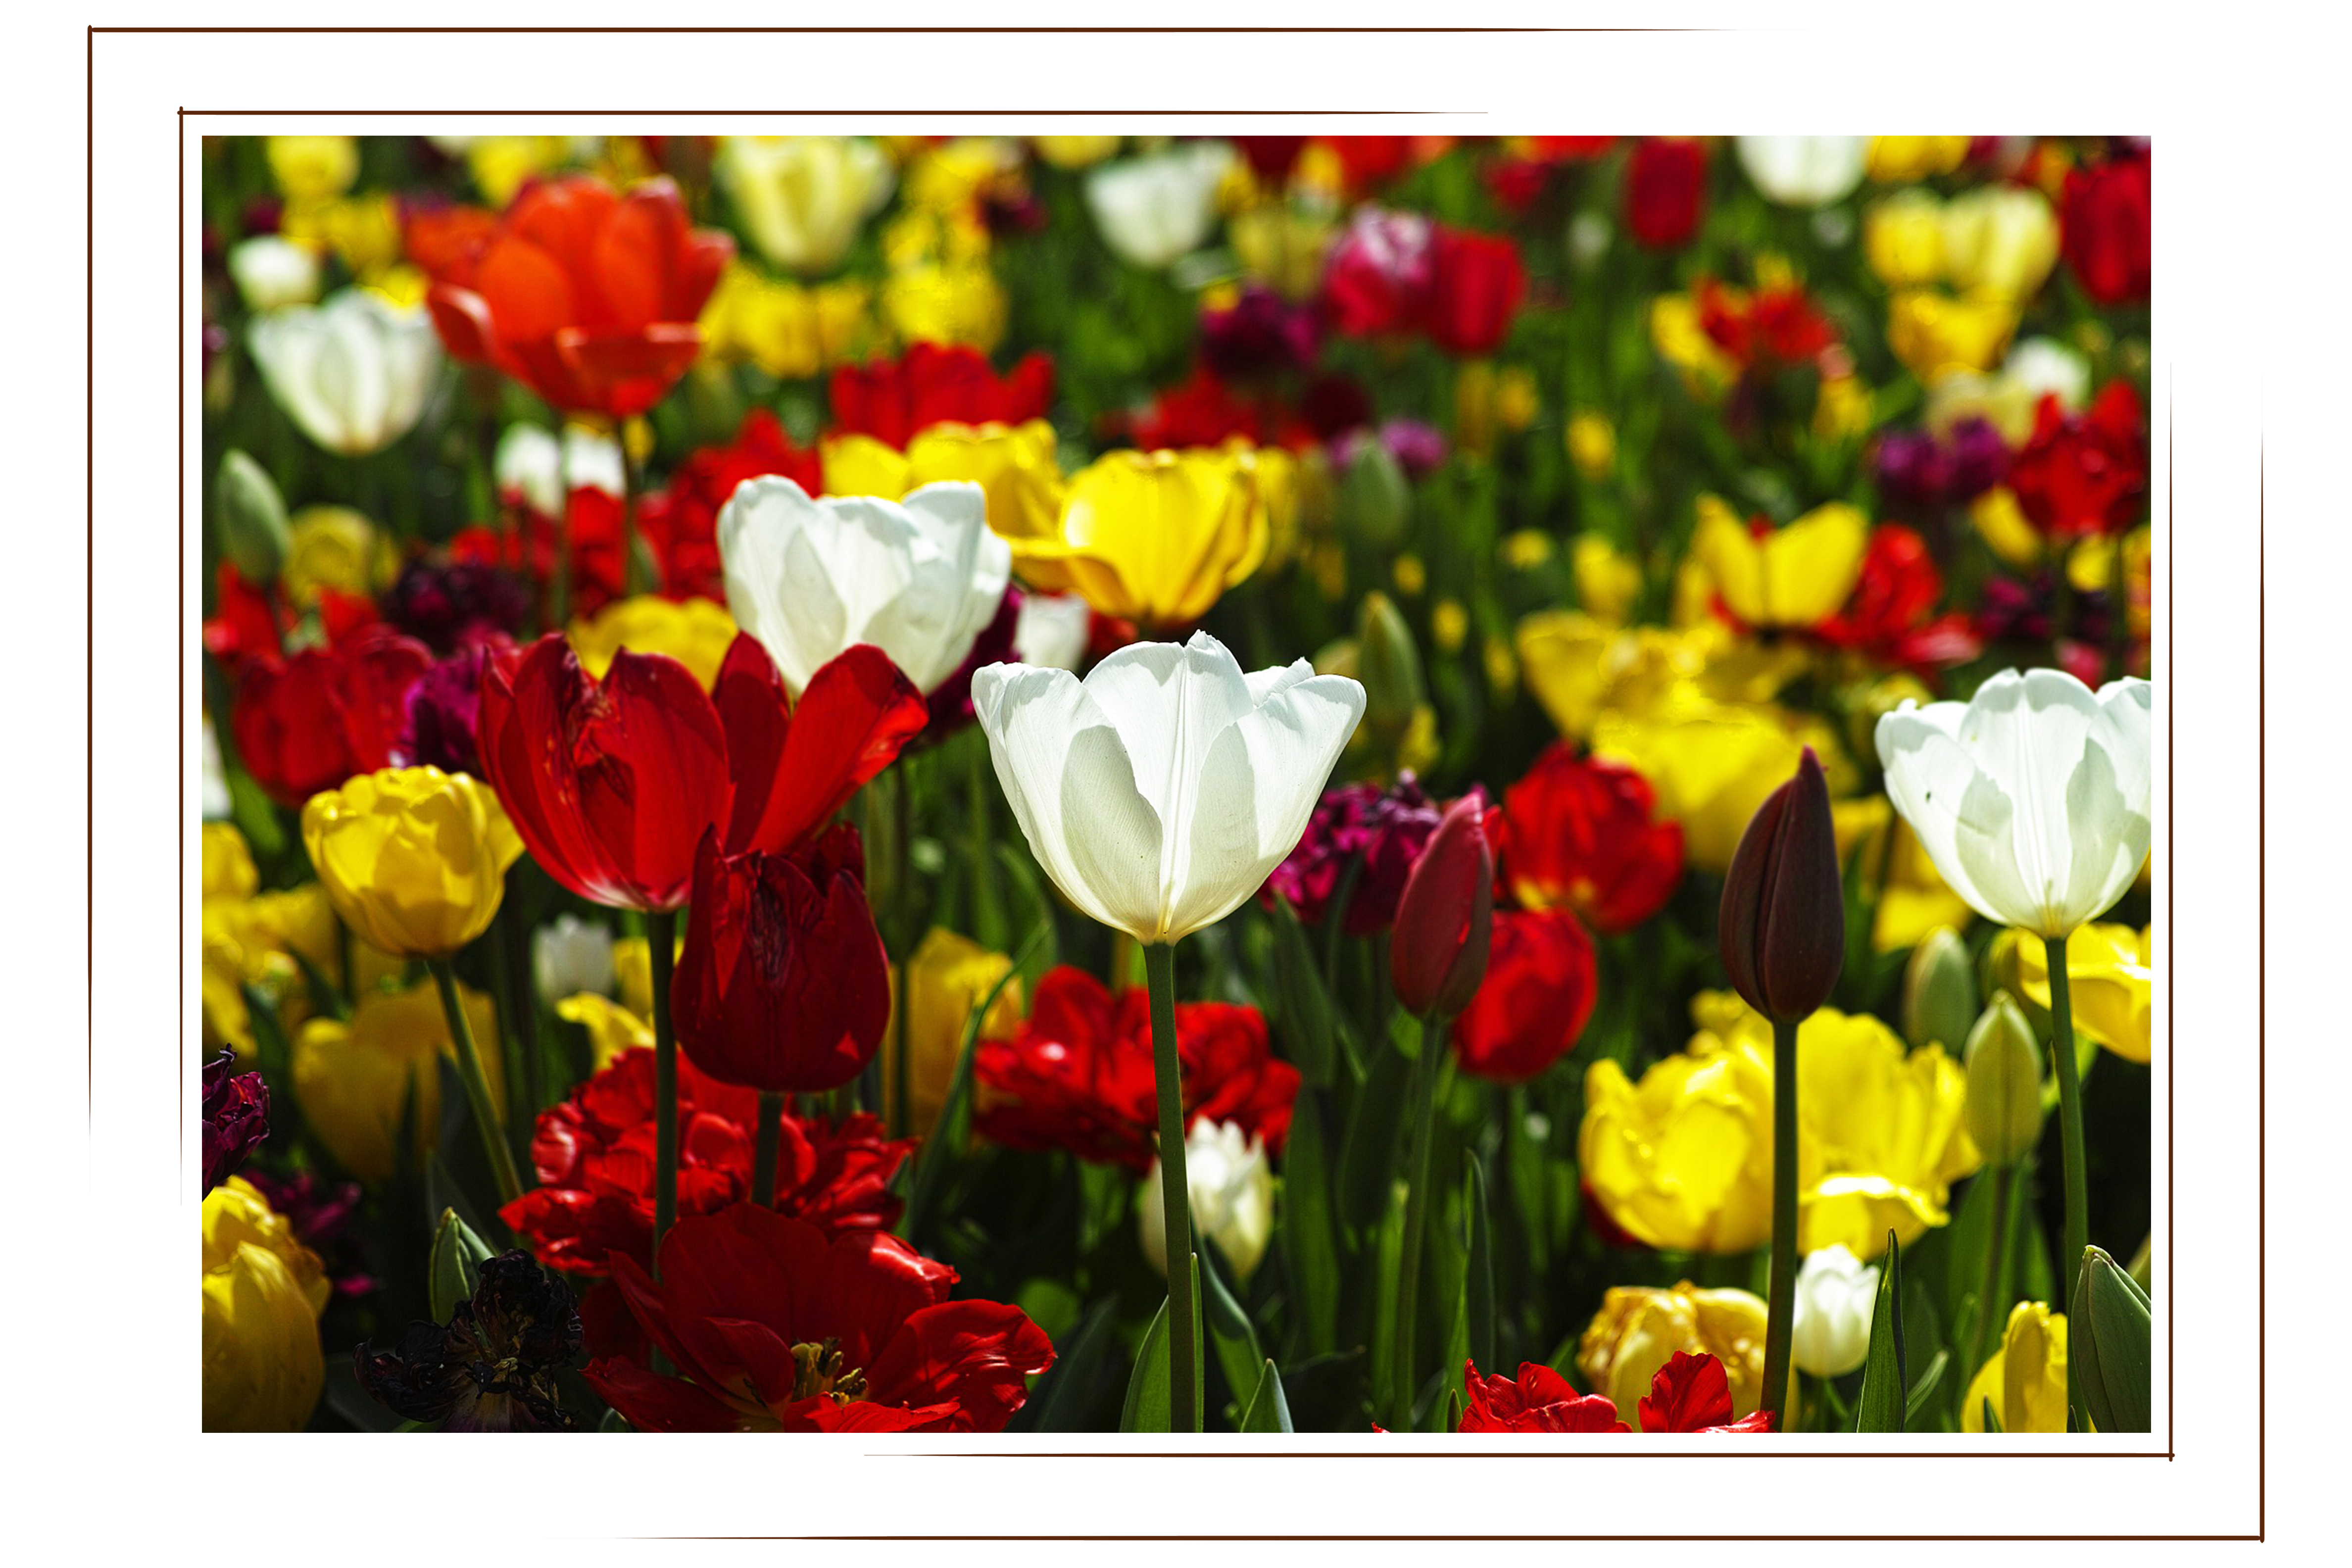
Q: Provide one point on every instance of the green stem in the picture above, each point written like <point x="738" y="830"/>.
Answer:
<point x="522" y="1006"/>
<point x="2070" y="1126"/>
<point x="1175" y="1195"/>
<point x="1989" y="1301"/>
<point x="987" y="908"/>
<point x="477" y="1087"/>
<point x="661" y="940"/>
<point x="1781" y="1308"/>
<point x="763" y="1148"/>
<point x="1421" y="1107"/>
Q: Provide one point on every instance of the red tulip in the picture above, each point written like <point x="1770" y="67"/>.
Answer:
<point x="892" y="400"/>
<point x="594" y="1155"/>
<point x="1438" y="952"/>
<point x="1538" y="994"/>
<point x="308" y="722"/>
<point x="1369" y="160"/>
<point x="682" y="522"/>
<point x="613" y="784"/>
<point x="1577" y="832"/>
<point x="1537" y="1400"/>
<point x="1782" y="930"/>
<point x="1476" y="286"/>
<point x="1666" y="180"/>
<point x="1271" y="158"/>
<point x="1692" y="1394"/>
<point x="1891" y="617"/>
<point x="1377" y="278"/>
<point x="2083" y="473"/>
<point x="586" y="297"/>
<point x="782" y="984"/>
<point x="772" y="1328"/>
<point x="1077" y="1073"/>
<point x="2104" y="221"/>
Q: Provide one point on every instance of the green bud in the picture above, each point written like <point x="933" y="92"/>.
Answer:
<point x="454" y="1266"/>
<point x="252" y="519"/>
<point x="1375" y="501"/>
<point x="2111" y="1341"/>
<point x="2004" y="1068"/>
<point x="1390" y="667"/>
<point x="1939" y="991"/>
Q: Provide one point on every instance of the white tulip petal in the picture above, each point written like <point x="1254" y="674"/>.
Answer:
<point x="352" y="373"/>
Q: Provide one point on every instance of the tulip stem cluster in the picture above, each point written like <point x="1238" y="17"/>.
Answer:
<point x="1175" y="1194"/>
<point x="2070" y="1121"/>
<point x="477" y="1087"/>
<point x="661" y="939"/>
<point x="1781" y="1306"/>
<point x="1422" y="1108"/>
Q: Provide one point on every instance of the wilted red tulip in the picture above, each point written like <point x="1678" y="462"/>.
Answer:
<point x="783" y="984"/>
<point x="1692" y="1394"/>
<point x="2083" y="473"/>
<point x="587" y="297"/>
<point x="1783" y="919"/>
<point x="1666" y="180"/>
<point x="1541" y="981"/>
<point x="1477" y="283"/>
<point x="893" y="400"/>
<point x="307" y="723"/>
<point x="1578" y="832"/>
<point x="772" y="1328"/>
<point x="573" y="759"/>
<point x="2104" y="221"/>
<point x="237" y="1118"/>
<point x="1444" y="925"/>
<point x="1537" y="1400"/>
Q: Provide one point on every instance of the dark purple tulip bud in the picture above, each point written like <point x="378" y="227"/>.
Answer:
<point x="1783" y="922"/>
<point x="237" y="1118"/>
<point x="1444" y="921"/>
<point x="492" y="1368"/>
<point x="1978" y="459"/>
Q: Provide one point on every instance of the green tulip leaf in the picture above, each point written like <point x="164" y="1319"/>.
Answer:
<point x="1881" y="1407"/>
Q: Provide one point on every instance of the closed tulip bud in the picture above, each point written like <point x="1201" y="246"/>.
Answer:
<point x="2113" y="1348"/>
<point x="1388" y="665"/>
<point x="2004" y="1066"/>
<point x="1939" y="990"/>
<point x="1230" y="1186"/>
<point x="1375" y="501"/>
<point x="1783" y="916"/>
<point x="252" y="519"/>
<point x="1444" y="921"/>
<point x="1837" y="1295"/>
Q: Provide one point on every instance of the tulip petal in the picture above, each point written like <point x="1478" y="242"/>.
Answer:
<point x="795" y="766"/>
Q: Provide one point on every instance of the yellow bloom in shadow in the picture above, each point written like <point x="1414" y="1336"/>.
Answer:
<point x="263" y="1293"/>
<point x="611" y="1027"/>
<point x="1638" y="1330"/>
<point x="1713" y="763"/>
<point x="353" y="1079"/>
<point x="951" y="975"/>
<point x="2110" y="979"/>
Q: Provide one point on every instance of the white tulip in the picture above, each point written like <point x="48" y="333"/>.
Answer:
<point x="353" y="373"/>
<point x="1052" y="630"/>
<point x="1837" y="1294"/>
<point x="570" y="956"/>
<point x="1152" y="210"/>
<point x="1159" y="790"/>
<point x="2031" y="797"/>
<point x="2001" y="239"/>
<point x="1804" y="171"/>
<point x="531" y="460"/>
<point x="215" y="795"/>
<point x="272" y="272"/>
<point x="1230" y="1186"/>
<point x="2040" y="365"/>
<point x="802" y="199"/>
<point x="921" y="578"/>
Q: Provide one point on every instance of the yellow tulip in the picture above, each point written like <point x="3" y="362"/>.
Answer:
<point x="1902" y="238"/>
<point x="1683" y="1158"/>
<point x="1901" y="159"/>
<point x="1638" y="1330"/>
<point x="1518" y="400"/>
<point x="263" y="1293"/>
<point x="788" y="331"/>
<point x="414" y="859"/>
<point x="2006" y="531"/>
<point x="1843" y="408"/>
<point x="696" y="632"/>
<point x="1934" y="334"/>
<point x="1281" y="490"/>
<point x="2000" y="240"/>
<point x="1793" y="576"/>
<point x="500" y="165"/>
<point x="1592" y="444"/>
<point x="946" y="302"/>
<point x="1074" y="151"/>
<point x="228" y="863"/>
<point x="1681" y="342"/>
<point x="1713" y="763"/>
<point x="362" y="231"/>
<point x="353" y="1080"/>
<point x="611" y="1027"/>
<point x="633" y="974"/>
<point x="1913" y="896"/>
<point x="332" y="547"/>
<point x="2110" y="979"/>
<point x="1015" y="466"/>
<point x="1282" y="245"/>
<point x="1153" y="537"/>
<point x="312" y="168"/>
<point x="952" y="974"/>
<point x="2025" y="1381"/>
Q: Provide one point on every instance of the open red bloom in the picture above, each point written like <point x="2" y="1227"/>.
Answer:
<point x="783" y="984"/>
<point x="1665" y="181"/>
<point x="1769" y="327"/>
<point x="594" y="1155"/>
<point x="1891" y="615"/>
<point x="1477" y="284"/>
<point x="2083" y="473"/>
<point x="585" y="296"/>
<point x="772" y="1328"/>
<point x="1076" y="1074"/>
<point x="245" y="623"/>
<point x="1691" y="1393"/>
<point x="1578" y="833"/>
<point x="1540" y="983"/>
<point x="612" y="784"/>
<point x="682" y="522"/>
<point x="309" y="721"/>
<point x="892" y="400"/>
<point x="1537" y="1400"/>
<point x="2104" y="221"/>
